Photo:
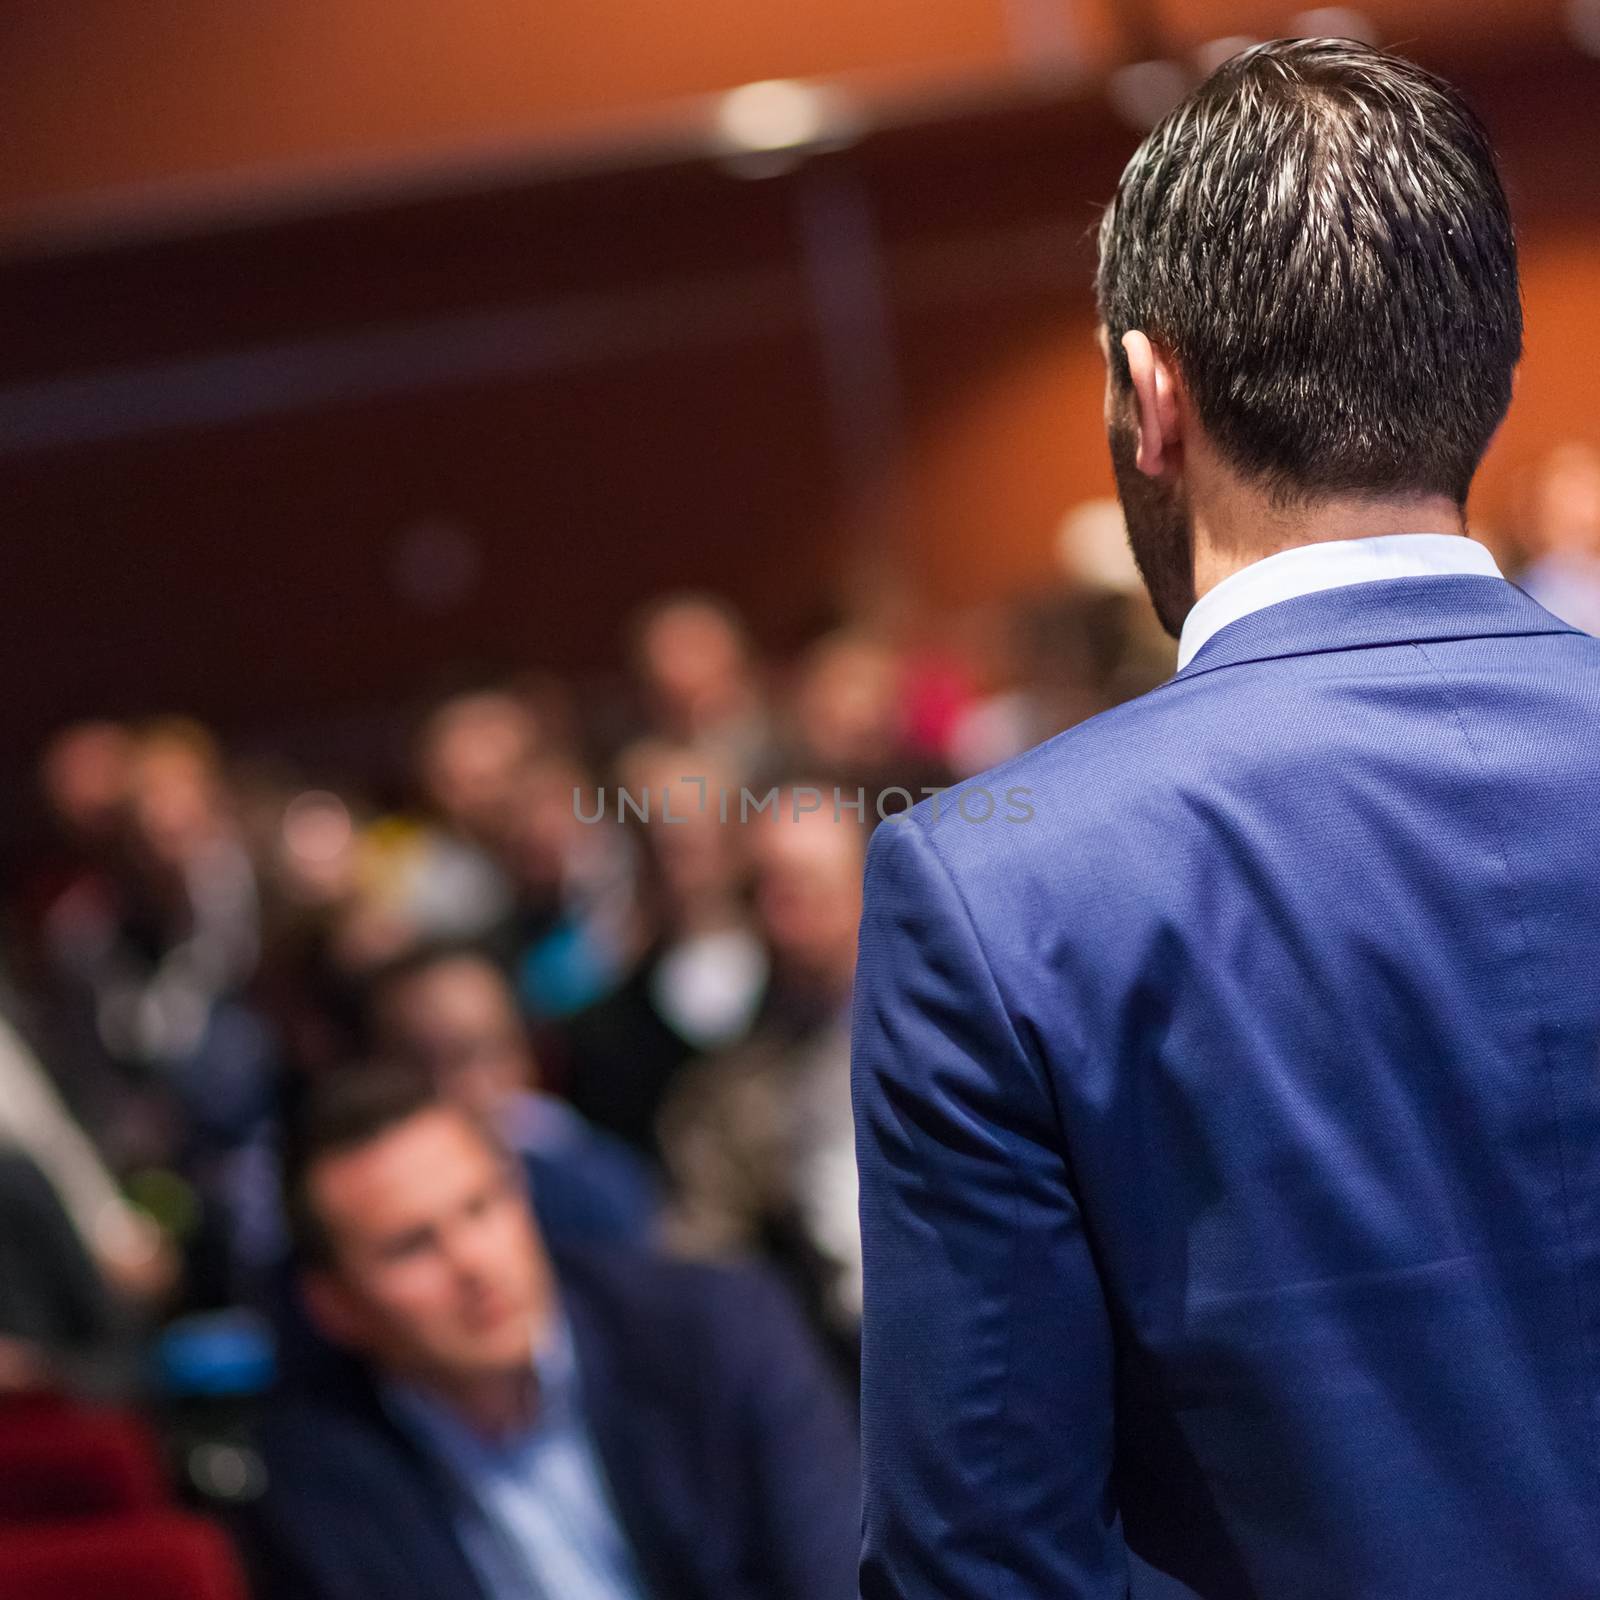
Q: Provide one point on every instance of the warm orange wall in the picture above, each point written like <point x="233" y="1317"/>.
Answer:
<point x="1006" y="415"/>
<point x="1556" y="387"/>
<point x="1430" y="27"/>
<point x="1012" y="438"/>
<point x="102" y="93"/>
<point x="241" y="567"/>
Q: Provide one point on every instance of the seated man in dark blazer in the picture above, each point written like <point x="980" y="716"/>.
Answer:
<point x="508" y="1424"/>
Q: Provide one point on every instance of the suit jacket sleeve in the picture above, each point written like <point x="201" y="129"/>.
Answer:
<point x="987" y="1359"/>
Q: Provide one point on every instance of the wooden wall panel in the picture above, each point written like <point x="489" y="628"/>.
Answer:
<point x="101" y="94"/>
<point x="353" y="376"/>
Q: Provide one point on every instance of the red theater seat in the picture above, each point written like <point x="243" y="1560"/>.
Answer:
<point x="60" y="1460"/>
<point x="149" y="1555"/>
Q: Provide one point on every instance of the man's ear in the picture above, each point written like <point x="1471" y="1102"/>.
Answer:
<point x="1158" y="416"/>
<point x="332" y="1309"/>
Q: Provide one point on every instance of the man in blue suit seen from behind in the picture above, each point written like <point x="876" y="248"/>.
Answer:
<point x="1229" y="1127"/>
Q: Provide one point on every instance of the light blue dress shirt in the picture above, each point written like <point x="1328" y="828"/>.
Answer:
<point x="534" y="1513"/>
<point x="1307" y="568"/>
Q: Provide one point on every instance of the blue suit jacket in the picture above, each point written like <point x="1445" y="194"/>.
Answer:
<point x="728" y="1449"/>
<point x="1230" y="1131"/>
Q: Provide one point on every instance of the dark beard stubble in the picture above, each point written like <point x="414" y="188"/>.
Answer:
<point x="1159" y="530"/>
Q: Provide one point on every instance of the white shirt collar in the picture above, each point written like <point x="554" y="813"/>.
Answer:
<point x="1308" y="568"/>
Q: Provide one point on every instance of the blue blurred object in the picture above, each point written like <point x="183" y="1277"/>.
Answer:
<point x="216" y="1353"/>
<point x="565" y="970"/>
<point x="588" y="1187"/>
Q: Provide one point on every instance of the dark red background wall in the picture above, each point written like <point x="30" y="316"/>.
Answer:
<point x="225" y="418"/>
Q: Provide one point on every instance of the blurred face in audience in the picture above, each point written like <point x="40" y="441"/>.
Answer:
<point x="473" y="751"/>
<point x="315" y="850"/>
<point x="85" y="775"/>
<point x="457" y="1019"/>
<point x="544" y="832"/>
<point x="847" y="703"/>
<point x="692" y="660"/>
<point x="695" y="855"/>
<point x="1566" y="508"/>
<point x="176" y="798"/>
<point x="808" y="892"/>
<point x="436" y="1270"/>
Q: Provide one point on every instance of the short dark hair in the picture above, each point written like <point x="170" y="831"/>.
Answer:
<point x="1319" y="236"/>
<point x="418" y="961"/>
<point x="342" y="1111"/>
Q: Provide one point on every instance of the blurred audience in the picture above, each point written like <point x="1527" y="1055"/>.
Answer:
<point x="759" y="1140"/>
<point x="846" y="705"/>
<point x="82" y="1271"/>
<point x="62" y="1327"/>
<point x="145" y="963"/>
<point x="573" y="929"/>
<point x="701" y="978"/>
<point x="470" y="753"/>
<point x="1058" y="656"/>
<point x="1082" y="645"/>
<point x="122" y="1244"/>
<point x="698" y="680"/>
<point x="84" y="778"/>
<point x="513" y="1422"/>
<point x="160" y="940"/>
<point x="1562" y="536"/>
<point x="453" y="1014"/>
<point x="622" y="945"/>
